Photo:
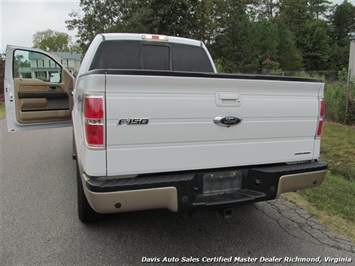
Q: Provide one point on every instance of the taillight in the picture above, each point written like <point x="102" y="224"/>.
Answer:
<point x="93" y="107"/>
<point x="93" y="115"/>
<point x="320" y="118"/>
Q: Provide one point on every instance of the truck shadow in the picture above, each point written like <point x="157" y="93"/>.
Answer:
<point x="204" y="233"/>
<point x="266" y="228"/>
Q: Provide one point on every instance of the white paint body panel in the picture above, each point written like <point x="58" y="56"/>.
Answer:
<point x="279" y="120"/>
<point x="93" y="162"/>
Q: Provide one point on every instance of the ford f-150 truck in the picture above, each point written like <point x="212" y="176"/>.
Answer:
<point x="155" y="126"/>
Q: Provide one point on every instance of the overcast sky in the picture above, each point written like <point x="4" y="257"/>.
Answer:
<point x="20" y="19"/>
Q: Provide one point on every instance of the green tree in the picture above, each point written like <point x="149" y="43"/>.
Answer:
<point x="49" y="40"/>
<point x="75" y="48"/>
<point x="315" y="46"/>
<point x="294" y="13"/>
<point x="99" y="16"/>
<point x="266" y="9"/>
<point x="204" y="25"/>
<point x="173" y="17"/>
<point x="319" y="8"/>
<point x="156" y="16"/>
<point x="342" y="22"/>
<point x="149" y="16"/>
<point x="233" y="28"/>
<point x="262" y="53"/>
<point x="242" y="35"/>
<point x="306" y="20"/>
<point x="289" y="56"/>
<point x="272" y="48"/>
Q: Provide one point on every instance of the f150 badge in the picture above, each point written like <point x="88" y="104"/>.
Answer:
<point x="133" y="121"/>
<point x="227" y="120"/>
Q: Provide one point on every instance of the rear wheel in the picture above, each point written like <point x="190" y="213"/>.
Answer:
<point x="86" y="213"/>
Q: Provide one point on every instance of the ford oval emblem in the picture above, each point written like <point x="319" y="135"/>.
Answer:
<point x="227" y="120"/>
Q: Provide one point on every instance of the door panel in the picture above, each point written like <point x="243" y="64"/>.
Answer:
<point x="40" y="101"/>
<point x="38" y="90"/>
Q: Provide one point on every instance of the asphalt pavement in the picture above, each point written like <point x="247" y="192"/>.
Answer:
<point x="39" y="224"/>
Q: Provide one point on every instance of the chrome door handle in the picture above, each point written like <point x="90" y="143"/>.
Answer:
<point x="228" y="99"/>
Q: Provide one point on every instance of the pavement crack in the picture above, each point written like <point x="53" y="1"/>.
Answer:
<point x="280" y="225"/>
<point x="301" y="225"/>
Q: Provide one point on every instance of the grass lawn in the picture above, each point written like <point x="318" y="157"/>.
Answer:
<point x="333" y="202"/>
<point x="2" y="110"/>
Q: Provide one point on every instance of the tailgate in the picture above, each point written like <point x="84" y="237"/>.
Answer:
<point x="279" y="120"/>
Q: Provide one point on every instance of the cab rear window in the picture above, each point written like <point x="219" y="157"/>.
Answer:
<point x="151" y="56"/>
<point x="155" y="57"/>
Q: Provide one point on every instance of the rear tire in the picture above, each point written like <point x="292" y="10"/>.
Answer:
<point x="74" y="148"/>
<point x="85" y="212"/>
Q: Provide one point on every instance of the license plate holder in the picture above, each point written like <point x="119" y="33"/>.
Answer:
<point x="222" y="182"/>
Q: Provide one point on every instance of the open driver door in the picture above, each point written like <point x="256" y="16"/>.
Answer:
<point x="37" y="89"/>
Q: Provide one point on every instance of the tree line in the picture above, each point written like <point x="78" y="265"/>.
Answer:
<point x="254" y="36"/>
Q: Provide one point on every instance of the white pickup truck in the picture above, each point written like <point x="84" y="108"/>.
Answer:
<point x="156" y="127"/>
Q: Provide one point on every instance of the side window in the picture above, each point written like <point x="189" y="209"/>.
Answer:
<point x="34" y="65"/>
